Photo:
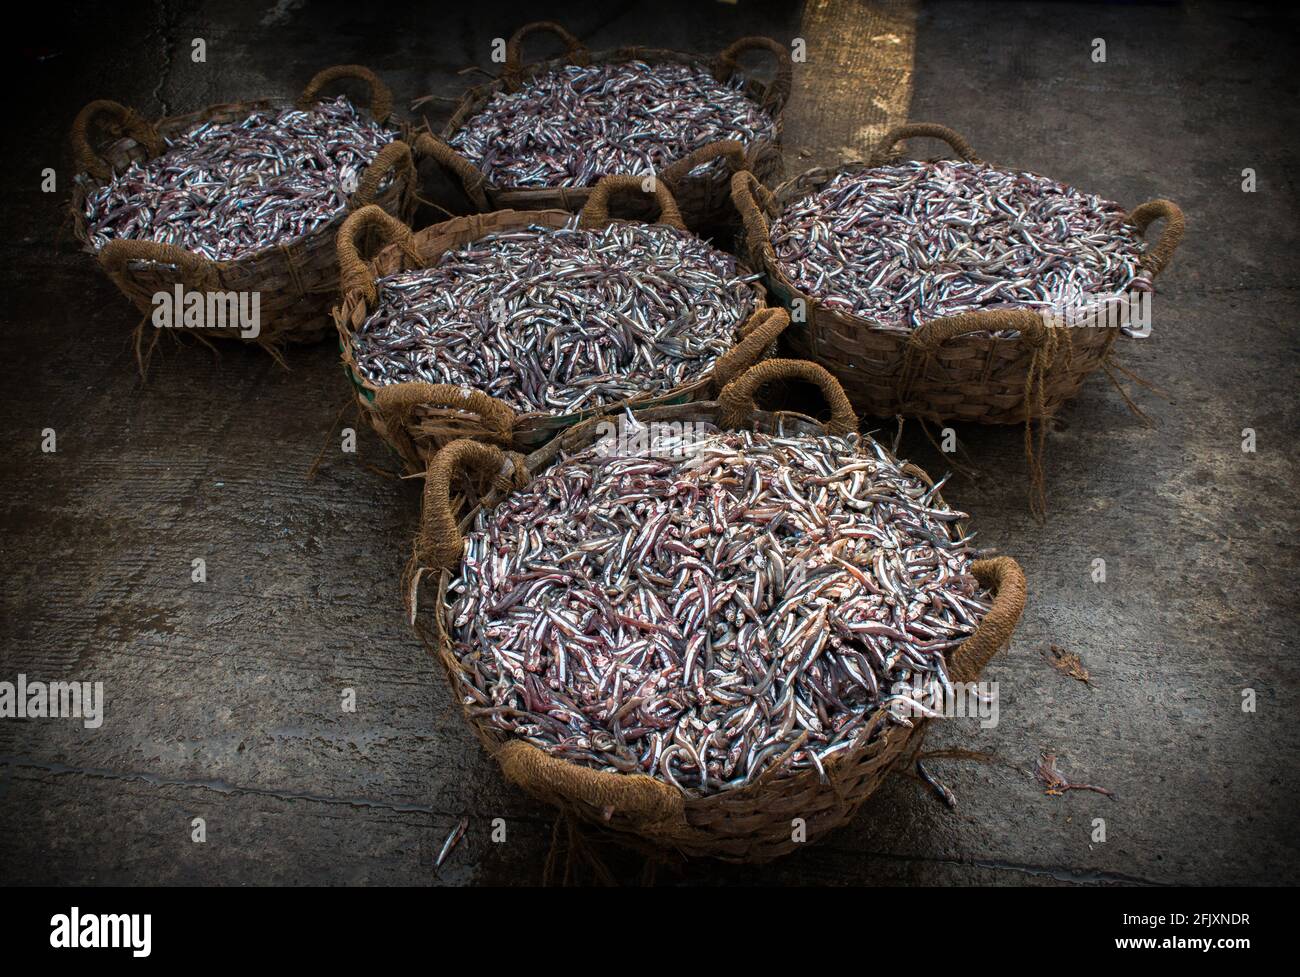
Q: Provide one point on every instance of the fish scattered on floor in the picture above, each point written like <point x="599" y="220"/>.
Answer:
<point x="453" y="839"/>
<point x="938" y="786"/>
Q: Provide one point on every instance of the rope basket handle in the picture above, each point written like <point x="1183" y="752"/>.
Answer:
<point x="1004" y="577"/>
<point x="753" y="202"/>
<point x="195" y="269"/>
<point x="758" y="333"/>
<point x="730" y="149"/>
<point x="512" y="71"/>
<point x="595" y="213"/>
<point x="1158" y="256"/>
<point x="915" y="130"/>
<point x="737" y="398"/>
<point x="120" y="121"/>
<point x="778" y="89"/>
<point x="394" y="159"/>
<point x="397" y="402"/>
<point x="655" y="808"/>
<point x="471" y="178"/>
<point x="355" y="274"/>
<point x="933" y="333"/>
<point x="439" y="544"/>
<point x="381" y="97"/>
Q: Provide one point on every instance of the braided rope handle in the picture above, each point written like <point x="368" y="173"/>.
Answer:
<point x="355" y="273"/>
<point x="1159" y="255"/>
<point x="196" y="271"/>
<point x="119" y="121"/>
<point x="736" y="402"/>
<point x="759" y="332"/>
<point x="655" y="809"/>
<point x="1004" y="577"/>
<point x="512" y="71"/>
<point x="393" y="159"/>
<point x="917" y="130"/>
<point x="469" y="175"/>
<point x="730" y="149"/>
<point x="595" y="213"/>
<point x="381" y="97"/>
<point x="397" y="403"/>
<point x="439" y="543"/>
<point x="933" y="333"/>
<point x="754" y="202"/>
<point x="778" y="89"/>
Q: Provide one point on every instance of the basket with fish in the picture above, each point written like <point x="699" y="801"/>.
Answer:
<point x="951" y="289"/>
<point x="706" y="628"/>
<point x="513" y="325"/>
<point x="237" y="204"/>
<point x="542" y="135"/>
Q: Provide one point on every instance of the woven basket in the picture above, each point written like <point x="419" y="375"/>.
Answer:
<point x="703" y="198"/>
<point x="952" y="368"/>
<point x="298" y="281"/>
<point x="955" y="368"/>
<point x="417" y="419"/>
<point x="749" y="824"/>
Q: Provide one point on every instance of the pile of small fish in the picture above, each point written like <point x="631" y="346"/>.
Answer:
<point x="559" y="320"/>
<point x="714" y="607"/>
<point x="226" y="190"/>
<point x="570" y="127"/>
<point x="915" y="241"/>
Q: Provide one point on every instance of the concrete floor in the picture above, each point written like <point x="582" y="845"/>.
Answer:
<point x="224" y="697"/>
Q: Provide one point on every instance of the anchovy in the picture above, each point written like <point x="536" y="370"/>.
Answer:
<point x="559" y="320"/>
<point x="906" y="243"/>
<point x="226" y="190"/>
<point x="571" y="126"/>
<point x="705" y="611"/>
<point x="938" y="786"/>
<point x="453" y="839"/>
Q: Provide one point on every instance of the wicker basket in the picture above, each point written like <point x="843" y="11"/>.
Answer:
<point x="954" y="368"/>
<point x="703" y="198"/>
<point x="417" y="419"/>
<point x="749" y="824"/>
<point x="297" y="281"/>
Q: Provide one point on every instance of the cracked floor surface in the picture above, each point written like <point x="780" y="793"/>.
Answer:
<point x="224" y="698"/>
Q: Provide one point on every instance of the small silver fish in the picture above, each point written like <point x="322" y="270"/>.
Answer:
<point x="704" y="609"/>
<point x="906" y="243"/>
<point x="560" y="319"/>
<point x="226" y="190"/>
<point x="452" y="841"/>
<point x="571" y="126"/>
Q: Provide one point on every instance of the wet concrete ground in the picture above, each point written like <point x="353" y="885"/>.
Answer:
<point x="223" y="698"/>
